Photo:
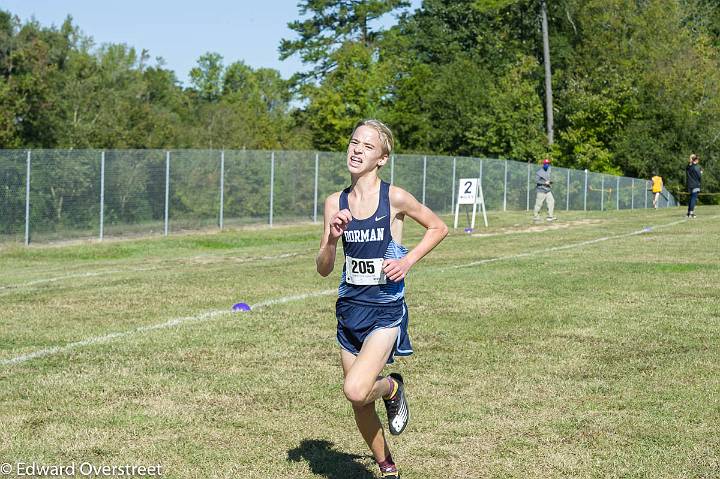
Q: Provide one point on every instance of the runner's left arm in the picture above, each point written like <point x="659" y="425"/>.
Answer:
<point x="435" y="231"/>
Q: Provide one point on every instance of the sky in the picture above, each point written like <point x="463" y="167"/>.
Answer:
<point x="180" y="31"/>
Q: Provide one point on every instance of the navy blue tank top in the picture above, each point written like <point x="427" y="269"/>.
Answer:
<point x="366" y="242"/>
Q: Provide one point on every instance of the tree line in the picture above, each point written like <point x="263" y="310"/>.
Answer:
<point x="636" y="85"/>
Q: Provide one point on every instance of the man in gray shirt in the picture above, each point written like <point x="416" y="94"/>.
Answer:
<point x="543" y="184"/>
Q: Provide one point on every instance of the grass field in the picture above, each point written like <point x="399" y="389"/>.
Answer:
<point x="586" y="349"/>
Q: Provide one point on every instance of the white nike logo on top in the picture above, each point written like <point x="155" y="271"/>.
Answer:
<point x="378" y="219"/>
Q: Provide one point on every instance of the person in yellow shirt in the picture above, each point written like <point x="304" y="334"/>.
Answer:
<point x="657" y="187"/>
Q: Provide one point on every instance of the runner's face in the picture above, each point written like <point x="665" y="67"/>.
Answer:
<point x="365" y="152"/>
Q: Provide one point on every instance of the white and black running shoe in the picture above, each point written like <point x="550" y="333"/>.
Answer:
<point x="390" y="474"/>
<point x="398" y="413"/>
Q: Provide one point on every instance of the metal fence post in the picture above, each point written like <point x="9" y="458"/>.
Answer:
<point x="167" y="190"/>
<point x="617" y="195"/>
<point x="392" y="169"/>
<point x="480" y="177"/>
<point x="505" y="188"/>
<point x="567" y="192"/>
<point x="452" y="187"/>
<point x="527" y="206"/>
<point x="102" y="195"/>
<point x="424" y="178"/>
<point x="315" y="200"/>
<point x="632" y="194"/>
<point x="272" y="185"/>
<point x="585" y="194"/>
<point x="602" y="193"/>
<point x="647" y="184"/>
<point x="222" y="188"/>
<point x="27" y="200"/>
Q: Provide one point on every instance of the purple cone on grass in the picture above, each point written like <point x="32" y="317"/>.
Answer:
<point x="240" y="307"/>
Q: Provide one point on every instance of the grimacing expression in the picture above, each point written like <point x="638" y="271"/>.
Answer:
<point x="365" y="150"/>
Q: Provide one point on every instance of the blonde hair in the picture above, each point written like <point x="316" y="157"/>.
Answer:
<point x="386" y="136"/>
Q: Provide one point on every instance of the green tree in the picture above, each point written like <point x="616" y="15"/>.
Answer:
<point x="331" y="25"/>
<point x="467" y="79"/>
<point x="31" y="60"/>
<point x="207" y="76"/>
<point x="353" y="90"/>
<point x="511" y="122"/>
<point x="252" y="112"/>
<point x="641" y="90"/>
<point x="348" y="79"/>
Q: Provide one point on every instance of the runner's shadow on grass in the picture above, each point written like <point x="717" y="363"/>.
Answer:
<point x="328" y="462"/>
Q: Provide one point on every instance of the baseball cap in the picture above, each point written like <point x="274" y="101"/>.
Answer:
<point x="546" y="161"/>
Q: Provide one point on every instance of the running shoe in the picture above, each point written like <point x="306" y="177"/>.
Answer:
<point x="398" y="413"/>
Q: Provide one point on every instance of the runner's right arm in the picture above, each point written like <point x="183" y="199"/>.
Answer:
<point x="336" y="221"/>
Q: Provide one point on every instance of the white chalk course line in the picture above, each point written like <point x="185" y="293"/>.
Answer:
<point x="89" y="274"/>
<point x="564" y="247"/>
<point x="287" y="299"/>
<point x="207" y="315"/>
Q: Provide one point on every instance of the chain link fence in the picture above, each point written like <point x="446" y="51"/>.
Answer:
<point x="48" y="195"/>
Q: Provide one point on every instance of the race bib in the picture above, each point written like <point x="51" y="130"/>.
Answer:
<point x="364" y="272"/>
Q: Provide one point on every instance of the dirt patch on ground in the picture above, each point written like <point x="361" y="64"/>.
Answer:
<point x="539" y="227"/>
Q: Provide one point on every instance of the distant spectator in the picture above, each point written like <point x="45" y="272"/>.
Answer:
<point x="693" y="173"/>
<point x="657" y="187"/>
<point x="543" y="184"/>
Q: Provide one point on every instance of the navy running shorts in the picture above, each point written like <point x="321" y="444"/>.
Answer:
<point x="357" y="321"/>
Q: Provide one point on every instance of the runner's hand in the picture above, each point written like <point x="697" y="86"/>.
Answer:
<point x="396" y="269"/>
<point x="339" y="222"/>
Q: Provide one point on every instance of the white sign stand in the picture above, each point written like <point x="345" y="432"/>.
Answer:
<point x="470" y="193"/>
